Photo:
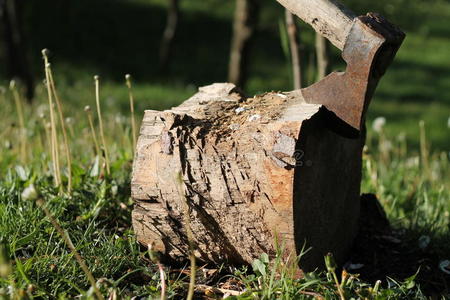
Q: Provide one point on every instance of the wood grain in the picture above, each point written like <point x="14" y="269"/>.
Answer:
<point x="255" y="171"/>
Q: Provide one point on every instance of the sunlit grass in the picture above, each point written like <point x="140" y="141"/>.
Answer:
<point x="411" y="183"/>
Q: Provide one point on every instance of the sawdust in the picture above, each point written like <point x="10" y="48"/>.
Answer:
<point x="228" y="116"/>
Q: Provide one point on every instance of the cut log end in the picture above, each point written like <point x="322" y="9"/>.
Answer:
<point x="257" y="173"/>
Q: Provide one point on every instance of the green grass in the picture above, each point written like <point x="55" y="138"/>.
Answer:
<point x="411" y="184"/>
<point x="97" y="217"/>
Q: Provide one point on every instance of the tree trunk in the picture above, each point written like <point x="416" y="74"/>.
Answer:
<point x="15" y="50"/>
<point x="327" y="17"/>
<point x="321" y="56"/>
<point x="245" y="20"/>
<point x="255" y="171"/>
<point x="295" y="50"/>
<point x="173" y="13"/>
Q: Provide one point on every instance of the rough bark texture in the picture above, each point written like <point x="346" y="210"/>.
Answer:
<point x="292" y="31"/>
<point x="245" y="20"/>
<point x="255" y="170"/>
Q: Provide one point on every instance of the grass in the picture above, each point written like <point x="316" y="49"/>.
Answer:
<point x="411" y="182"/>
<point x="412" y="186"/>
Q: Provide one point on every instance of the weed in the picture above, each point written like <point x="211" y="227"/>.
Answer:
<point x="87" y="109"/>
<point x="21" y="117"/>
<point x="53" y="128"/>
<point x="65" y="236"/>
<point x="131" y="98"/>
<point x="100" y="123"/>
<point x="190" y="235"/>
<point x="61" y="122"/>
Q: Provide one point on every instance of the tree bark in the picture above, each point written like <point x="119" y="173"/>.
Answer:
<point x="244" y="25"/>
<point x="15" y="49"/>
<point x="173" y="13"/>
<point x="295" y="50"/>
<point x="255" y="171"/>
<point x="322" y="56"/>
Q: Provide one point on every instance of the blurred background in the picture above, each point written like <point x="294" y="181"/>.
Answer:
<point x="171" y="47"/>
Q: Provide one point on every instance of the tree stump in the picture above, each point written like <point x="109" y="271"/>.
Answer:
<point x="255" y="171"/>
<point x="276" y="169"/>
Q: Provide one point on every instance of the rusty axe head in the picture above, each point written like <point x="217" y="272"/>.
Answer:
<point x="370" y="47"/>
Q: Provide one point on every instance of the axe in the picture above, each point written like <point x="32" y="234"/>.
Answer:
<point x="368" y="43"/>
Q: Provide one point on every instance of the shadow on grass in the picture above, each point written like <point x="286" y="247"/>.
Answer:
<point x="383" y="252"/>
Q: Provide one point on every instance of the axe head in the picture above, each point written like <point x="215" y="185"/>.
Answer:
<point x="369" y="49"/>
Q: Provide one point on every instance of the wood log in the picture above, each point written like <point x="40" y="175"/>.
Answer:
<point x="256" y="172"/>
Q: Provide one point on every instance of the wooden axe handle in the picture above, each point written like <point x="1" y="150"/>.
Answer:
<point x="328" y="17"/>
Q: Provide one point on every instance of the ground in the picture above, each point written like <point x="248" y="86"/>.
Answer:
<point x="406" y="162"/>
